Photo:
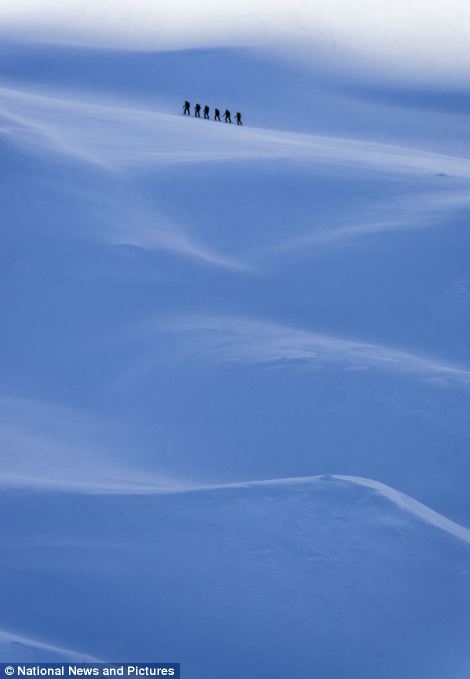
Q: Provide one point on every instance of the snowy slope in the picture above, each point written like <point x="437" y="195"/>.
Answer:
<point x="324" y="574"/>
<point x="20" y="649"/>
<point x="191" y="307"/>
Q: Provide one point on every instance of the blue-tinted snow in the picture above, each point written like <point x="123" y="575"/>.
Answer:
<point x="191" y="305"/>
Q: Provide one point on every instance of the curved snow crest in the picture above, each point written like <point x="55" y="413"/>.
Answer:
<point x="244" y="340"/>
<point x="14" y="644"/>
<point x="150" y="231"/>
<point x="401" y="500"/>
<point x="422" y="211"/>
<point x="404" y="502"/>
<point x="116" y="137"/>
<point x="412" y="506"/>
<point x="124" y="484"/>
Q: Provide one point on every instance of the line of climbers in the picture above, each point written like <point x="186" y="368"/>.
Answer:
<point x="197" y="113"/>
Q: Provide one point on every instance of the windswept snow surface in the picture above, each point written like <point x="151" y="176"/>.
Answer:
<point x="21" y="649"/>
<point x="235" y="366"/>
<point x="267" y="579"/>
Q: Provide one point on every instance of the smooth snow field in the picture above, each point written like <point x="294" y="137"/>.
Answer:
<point x="235" y="365"/>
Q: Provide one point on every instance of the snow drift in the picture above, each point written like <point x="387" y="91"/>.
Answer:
<point x="190" y="309"/>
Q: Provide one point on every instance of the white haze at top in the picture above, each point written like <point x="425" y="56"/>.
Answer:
<point x="428" y="40"/>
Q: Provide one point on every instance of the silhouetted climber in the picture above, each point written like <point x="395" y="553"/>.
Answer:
<point x="238" y="116"/>
<point x="206" y="112"/>
<point x="228" y="116"/>
<point x="186" y="107"/>
<point x="197" y="110"/>
<point x="217" y="114"/>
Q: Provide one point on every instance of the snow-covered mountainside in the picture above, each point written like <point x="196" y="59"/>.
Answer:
<point x="276" y="578"/>
<point x="191" y="309"/>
